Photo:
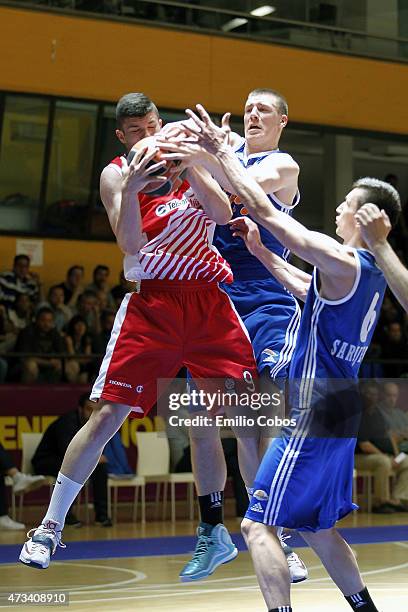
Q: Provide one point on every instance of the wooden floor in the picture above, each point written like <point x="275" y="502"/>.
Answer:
<point x="151" y="583"/>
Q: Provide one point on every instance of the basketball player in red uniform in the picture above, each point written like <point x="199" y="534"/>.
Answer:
<point x="179" y="318"/>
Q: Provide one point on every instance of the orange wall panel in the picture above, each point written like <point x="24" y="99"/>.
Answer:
<point x="101" y="59"/>
<point x="59" y="255"/>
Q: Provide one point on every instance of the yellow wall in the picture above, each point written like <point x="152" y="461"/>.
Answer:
<point x="59" y="255"/>
<point x="102" y="59"/>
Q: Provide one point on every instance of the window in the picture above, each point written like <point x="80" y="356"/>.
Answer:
<point x="70" y="169"/>
<point x="22" y="149"/>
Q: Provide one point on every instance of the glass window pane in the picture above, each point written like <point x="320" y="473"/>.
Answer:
<point x="70" y="169"/>
<point x="109" y="147"/>
<point x="22" y="148"/>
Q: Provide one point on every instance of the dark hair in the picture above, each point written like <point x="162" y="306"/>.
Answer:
<point x="282" y="103"/>
<point x="382" y="194"/>
<point x="53" y="287"/>
<point x="72" y="268"/>
<point x="134" y="105"/>
<point x="100" y="267"/>
<point x="87" y="293"/>
<point x="71" y="324"/>
<point x="18" y="258"/>
<point x="42" y="310"/>
<point x="107" y="313"/>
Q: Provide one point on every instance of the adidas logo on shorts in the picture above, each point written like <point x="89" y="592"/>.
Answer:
<point x="257" y="508"/>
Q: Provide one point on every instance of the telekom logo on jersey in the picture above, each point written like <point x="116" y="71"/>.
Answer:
<point x="167" y="207"/>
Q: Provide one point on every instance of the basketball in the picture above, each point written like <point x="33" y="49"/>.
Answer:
<point x="166" y="187"/>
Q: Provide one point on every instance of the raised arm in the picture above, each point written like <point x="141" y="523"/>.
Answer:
<point x="375" y="227"/>
<point x="293" y="279"/>
<point x="119" y="194"/>
<point x="336" y="264"/>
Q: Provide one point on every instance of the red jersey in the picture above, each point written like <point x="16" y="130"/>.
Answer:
<point x="178" y="237"/>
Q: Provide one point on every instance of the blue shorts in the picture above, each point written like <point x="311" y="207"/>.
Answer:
<point x="272" y="316"/>
<point x="304" y="483"/>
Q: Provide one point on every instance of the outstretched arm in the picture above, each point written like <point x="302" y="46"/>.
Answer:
<point x="212" y="198"/>
<point x="375" y="227"/>
<point x="336" y="264"/>
<point x="293" y="279"/>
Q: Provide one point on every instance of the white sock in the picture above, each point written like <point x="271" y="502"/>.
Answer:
<point x="63" y="495"/>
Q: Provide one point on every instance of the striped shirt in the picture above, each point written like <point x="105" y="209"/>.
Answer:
<point x="178" y="237"/>
<point x="11" y="287"/>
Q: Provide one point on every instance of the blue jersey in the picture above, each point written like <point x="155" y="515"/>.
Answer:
<point x="334" y="335"/>
<point x="244" y="265"/>
<point x="305" y="479"/>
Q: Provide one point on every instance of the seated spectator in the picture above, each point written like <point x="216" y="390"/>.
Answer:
<point x="8" y="333"/>
<point x="117" y="461"/>
<point x="22" y="483"/>
<point x="395" y="346"/>
<point x="21" y="314"/>
<point x="19" y="280"/>
<point x="100" y="341"/>
<point x="376" y="451"/>
<point x="78" y="343"/>
<point x="72" y="286"/>
<point x="88" y="308"/>
<point x="48" y="458"/>
<point x="62" y="312"/>
<point x="118" y="292"/>
<point x="41" y="337"/>
<point x="100" y="285"/>
<point x="396" y="419"/>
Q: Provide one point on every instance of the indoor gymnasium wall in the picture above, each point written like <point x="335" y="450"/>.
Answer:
<point x="59" y="255"/>
<point x="102" y="59"/>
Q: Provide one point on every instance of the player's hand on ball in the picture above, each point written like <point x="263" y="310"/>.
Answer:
<point x="140" y="171"/>
<point x="207" y="134"/>
<point x="245" y="228"/>
<point x="374" y="224"/>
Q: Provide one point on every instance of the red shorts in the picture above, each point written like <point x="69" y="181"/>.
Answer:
<point x="168" y="325"/>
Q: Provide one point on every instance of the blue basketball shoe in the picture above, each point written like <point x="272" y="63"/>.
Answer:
<point x="214" y="547"/>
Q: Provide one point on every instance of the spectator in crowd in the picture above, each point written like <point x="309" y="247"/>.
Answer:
<point x="78" y="343"/>
<point x="118" y="292"/>
<point x="62" y="312"/>
<point x="100" y="285"/>
<point x="395" y="418"/>
<point x="394" y="347"/>
<point x="22" y="313"/>
<point x="88" y="308"/>
<point x="376" y="451"/>
<point x="20" y="280"/>
<point x="100" y="341"/>
<point x="41" y="337"/>
<point x="72" y="286"/>
<point x="22" y="483"/>
<point x="48" y="458"/>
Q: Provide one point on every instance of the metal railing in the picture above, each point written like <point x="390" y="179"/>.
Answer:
<point x="229" y="22"/>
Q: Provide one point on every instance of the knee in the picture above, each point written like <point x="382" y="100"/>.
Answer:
<point x="106" y="419"/>
<point x="251" y="530"/>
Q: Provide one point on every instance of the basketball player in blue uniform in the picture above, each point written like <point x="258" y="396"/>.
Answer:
<point x="270" y="313"/>
<point x="342" y="307"/>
